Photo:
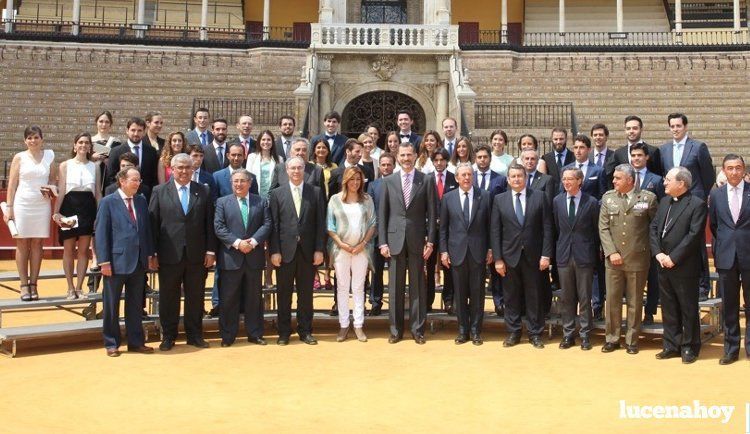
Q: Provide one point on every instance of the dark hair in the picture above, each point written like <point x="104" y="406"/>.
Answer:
<point x="31" y="130"/>
<point x="516" y="166"/>
<point x="502" y="133"/>
<point x="634" y="118"/>
<point x="135" y="120"/>
<point x="201" y="109"/>
<point x="222" y="120"/>
<point x="150" y="115"/>
<point x="424" y="154"/>
<point x="324" y="142"/>
<point x="483" y="147"/>
<point x="442" y="152"/>
<point x="348" y="174"/>
<point x="332" y="115"/>
<point x="533" y="139"/>
<point x="387" y="154"/>
<point x="640" y="145"/>
<point x="91" y="146"/>
<point x="230" y="146"/>
<point x="258" y="150"/>
<point x="730" y="157"/>
<point x="388" y="135"/>
<point x="372" y="126"/>
<point x="281" y="119"/>
<point x="600" y="127"/>
<point x="676" y="116"/>
<point x="349" y="145"/>
<point x="106" y="113"/>
<point x="404" y="112"/>
<point x="194" y="148"/>
<point x="559" y="130"/>
<point x="129" y="157"/>
<point x="470" y="157"/>
<point x="584" y="139"/>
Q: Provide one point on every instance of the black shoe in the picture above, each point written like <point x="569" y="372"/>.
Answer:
<point x="476" y="340"/>
<point x="688" y="357"/>
<point x="648" y="319"/>
<point x="536" y="341"/>
<point x="308" y="339"/>
<point x="419" y="339"/>
<point x="282" y="341"/>
<point x="598" y="315"/>
<point x="631" y="349"/>
<point x="585" y="344"/>
<point x="667" y="354"/>
<point x="500" y="311"/>
<point x="144" y="315"/>
<point x="166" y="345"/>
<point x="512" y="340"/>
<point x="334" y="310"/>
<point x="257" y="341"/>
<point x="728" y="359"/>
<point x="393" y="339"/>
<point x="449" y="308"/>
<point x="610" y="346"/>
<point x="567" y="343"/>
<point x="226" y="343"/>
<point x="702" y="297"/>
<point x="198" y="343"/>
<point x="214" y="312"/>
<point x="375" y="311"/>
<point x="461" y="339"/>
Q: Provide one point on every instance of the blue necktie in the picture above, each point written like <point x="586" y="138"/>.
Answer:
<point x="204" y="138"/>
<point x="559" y="160"/>
<point x="184" y="199"/>
<point x="467" y="216"/>
<point x="519" y="209"/>
<point x="484" y="181"/>
<point x="220" y="156"/>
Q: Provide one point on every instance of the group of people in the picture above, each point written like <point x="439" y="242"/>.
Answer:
<point x="594" y="223"/>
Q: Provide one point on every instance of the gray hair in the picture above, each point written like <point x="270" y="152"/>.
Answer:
<point x="463" y="165"/>
<point x="302" y="140"/>
<point x="627" y="169"/>
<point x="681" y="174"/>
<point x="578" y="173"/>
<point x="300" y="159"/>
<point x="242" y="171"/>
<point x="536" y="154"/>
<point x="181" y="158"/>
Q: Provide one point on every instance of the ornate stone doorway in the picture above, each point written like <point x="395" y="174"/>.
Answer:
<point x="380" y="108"/>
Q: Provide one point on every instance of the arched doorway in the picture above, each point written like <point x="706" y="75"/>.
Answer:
<point x="380" y="108"/>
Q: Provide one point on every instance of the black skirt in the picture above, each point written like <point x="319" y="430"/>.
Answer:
<point x="82" y="204"/>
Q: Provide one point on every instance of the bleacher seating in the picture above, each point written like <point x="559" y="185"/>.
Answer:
<point x="708" y="14"/>
<point x="595" y="16"/>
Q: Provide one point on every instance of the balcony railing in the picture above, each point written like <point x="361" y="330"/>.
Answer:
<point x="384" y="37"/>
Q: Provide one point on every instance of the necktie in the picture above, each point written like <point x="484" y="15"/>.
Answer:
<point x="519" y="209"/>
<point x="286" y="148"/>
<point x="530" y="180"/>
<point x="677" y="154"/>
<point x="440" y="185"/>
<point x="244" y="210"/>
<point x="450" y="148"/>
<point x="637" y="180"/>
<point x="580" y="167"/>
<point x="195" y="176"/>
<point x="297" y="200"/>
<point x="220" y="155"/>
<point x="184" y="199"/>
<point x="559" y="160"/>
<point x="734" y="204"/>
<point x="467" y="215"/>
<point x="129" y="200"/>
<point x="204" y="138"/>
<point x="137" y="152"/>
<point x="599" y="157"/>
<point x="572" y="211"/>
<point x="245" y="145"/>
<point x="484" y="181"/>
<point x="407" y="189"/>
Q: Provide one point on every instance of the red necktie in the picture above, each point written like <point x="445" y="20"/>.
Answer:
<point x="440" y="185"/>
<point x="130" y="208"/>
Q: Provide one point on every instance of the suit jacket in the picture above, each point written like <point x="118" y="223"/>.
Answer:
<point x="118" y="238"/>
<point x="498" y="183"/>
<point x="403" y="227"/>
<point x="605" y="164"/>
<point x="229" y="228"/>
<point x="211" y="161"/>
<point x="653" y="183"/>
<point x="280" y="147"/>
<point x="581" y="240"/>
<point x="730" y="240"/>
<point x="307" y="232"/>
<point x="223" y="181"/>
<point x="177" y="234"/>
<point x="159" y="143"/>
<point x="550" y="158"/>
<point x="449" y="184"/>
<point x="313" y="176"/>
<point x="337" y="150"/>
<point x="460" y="238"/>
<point x="147" y="166"/>
<point x="415" y="139"/>
<point x="696" y="159"/>
<point x="681" y="235"/>
<point x="207" y="179"/>
<point x="547" y="184"/>
<point x="510" y="239"/>
<point x="250" y="145"/>
<point x="143" y="189"/>
<point x="621" y="157"/>
<point x="337" y="174"/>
<point x="192" y="137"/>
<point x="594" y="183"/>
<point x="624" y="229"/>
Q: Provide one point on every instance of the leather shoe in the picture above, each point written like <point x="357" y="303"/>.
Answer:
<point x="610" y="346"/>
<point x="142" y="349"/>
<point x="282" y="341"/>
<point x="257" y="341"/>
<point x="461" y="339"/>
<point x="334" y="310"/>
<point x="166" y="345"/>
<point x="567" y="343"/>
<point x="375" y="311"/>
<point x="688" y="357"/>
<point x="648" y="319"/>
<point x="536" y="341"/>
<point x="308" y="339"/>
<point x="500" y="311"/>
<point x="393" y="339"/>
<point x="449" y="308"/>
<point x="113" y="352"/>
<point x="225" y="343"/>
<point x="214" y="312"/>
<point x="198" y="343"/>
<point x="667" y="354"/>
<point x="728" y="359"/>
<point x="631" y="349"/>
<point x="585" y="344"/>
<point x="512" y="340"/>
<point x="476" y="340"/>
<point x="419" y="339"/>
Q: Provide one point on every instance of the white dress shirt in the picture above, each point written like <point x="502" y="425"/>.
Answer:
<point x="470" y="199"/>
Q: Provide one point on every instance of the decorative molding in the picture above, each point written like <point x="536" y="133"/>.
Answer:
<point x="384" y="66"/>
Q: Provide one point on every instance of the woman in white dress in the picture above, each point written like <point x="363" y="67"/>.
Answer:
<point x="30" y="189"/>
<point x="500" y="159"/>
<point x="430" y="141"/>
<point x="263" y="161"/>
<point x="79" y="187"/>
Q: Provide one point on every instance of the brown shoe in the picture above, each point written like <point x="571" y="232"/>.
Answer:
<point x="361" y="336"/>
<point x="142" y="349"/>
<point x="113" y="352"/>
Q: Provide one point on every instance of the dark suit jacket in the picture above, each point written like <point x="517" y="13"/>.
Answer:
<point x="594" y="183"/>
<point x="148" y="165"/>
<point x="211" y="161"/>
<point x="313" y="176"/>
<point x="207" y="179"/>
<point x="159" y="143"/>
<point x="176" y="233"/>
<point x="581" y="241"/>
<point x="337" y="150"/>
<point x="550" y="158"/>
<point x="460" y="238"/>
<point x="653" y="183"/>
<point x="223" y="181"/>
<point x="403" y="227"/>
<point x="337" y="174"/>
<point x="449" y="184"/>
<point x="280" y="147"/>
<point x="192" y="138"/>
<point x="682" y="236"/>
<point x="498" y="183"/>
<point x="621" y="157"/>
<point x="547" y="184"/>
<point x="696" y="159"/>
<point x="143" y="189"/>
<point x="415" y="139"/>
<point x="308" y="232"/>
<point x="605" y="165"/>
<point x="229" y="228"/>
<point x="118" y="240"/>
<point x="730" y="240"/>
<point x="509" y="239"/>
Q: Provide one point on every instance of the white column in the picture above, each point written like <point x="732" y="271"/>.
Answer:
<point x="562" y="16"/>
<point x="204" y="20"/>
<point x="736" y="15"/>
<point x="266" y="19"/>
<point x="76" y="17"/>
<point x="504" y="22"/>
<point x="141" y="18"/>
<point x="619" y="16"/>
<point x="9" y="16"/>
<point x="325" y="14"/>
<point x="678" y="16"/>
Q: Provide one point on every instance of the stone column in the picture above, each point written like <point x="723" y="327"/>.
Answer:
<point x="266" y="19"/>
<point x="737" y="24"/>
<point x="141" y="18"/>
<point x="504" y="22"/>
<point x="561" y="17"/>
<point x="204" y="20"/>
<point x="9" y="16"/>
<point x="325" y="13"/>
<point x="619" y="16"/>
<point x="76" y="28"/>
<point x="442" y="89"/>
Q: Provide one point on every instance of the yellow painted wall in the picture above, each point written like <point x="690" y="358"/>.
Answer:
<point x="485" y="12"/>
<point x="283" y="12"/>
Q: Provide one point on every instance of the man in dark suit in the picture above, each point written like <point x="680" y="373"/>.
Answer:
<point x="223" y="178"/>
<point x="633" y="132"/>
<point x="594" y="183"/>
<point x="576" y="216"/>
<point x="154" y="124"/>
<point x="602" y="154"/>
<point x="242" y="224"/>
<point x="336" y="141"/>
<point x="214" y="154"/>
<point x="406" y="233"/>
<point x="405" y="123"/>
<point x="560" y="156"/>
<point x="200" y="175"/>
<point x="464" y="249"/>
<point x="244" y="138"/>
<point x="286" y="137"/>
<point x="445" y="182"/>
<point x="298" y="211"/>
<point x="200" y="135"/>
<point x="182" y="226"/>
<point x="386" y="164"/>
<point x="535" y="180"/>
<point x="353" y="152"/>
<point x="147" y="155"/>
<point x="124" y="247"/>
<point x="129" y="160"/>
<point x="313" y="173"/>
<point x="522" y="245"/>
<point x="677" y="231"/>
<point x="729" y="220"/>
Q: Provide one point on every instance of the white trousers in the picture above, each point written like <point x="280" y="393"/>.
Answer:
<point x="351" y="270"/>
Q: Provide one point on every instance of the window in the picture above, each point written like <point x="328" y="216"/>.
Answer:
<point x="384" y="11"/>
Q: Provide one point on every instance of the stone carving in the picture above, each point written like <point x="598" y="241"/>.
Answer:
<point x="384" y="67"/>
